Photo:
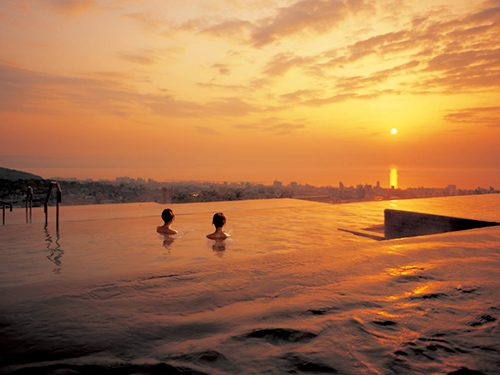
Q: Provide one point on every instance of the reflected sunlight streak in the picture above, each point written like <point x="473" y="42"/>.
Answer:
<point x="394" y="178"/>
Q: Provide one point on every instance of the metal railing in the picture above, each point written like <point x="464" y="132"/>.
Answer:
<point x="3" y="209"/>
<point x="29" y="202"/>
<point x="58" y="201"/>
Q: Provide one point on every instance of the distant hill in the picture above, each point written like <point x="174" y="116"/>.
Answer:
<point x="12" y="174"/>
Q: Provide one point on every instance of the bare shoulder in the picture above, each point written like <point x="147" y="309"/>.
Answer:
<point x="164" y="230"/>
<point x="217" y="236"/>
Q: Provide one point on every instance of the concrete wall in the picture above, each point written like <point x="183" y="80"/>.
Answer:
<point x="407" y="224"/>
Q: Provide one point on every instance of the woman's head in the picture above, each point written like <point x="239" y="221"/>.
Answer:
<point x="219" y="220"/>
<point x="167" y="215"/>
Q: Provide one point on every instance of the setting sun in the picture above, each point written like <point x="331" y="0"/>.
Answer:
<point x="394" y="131"/>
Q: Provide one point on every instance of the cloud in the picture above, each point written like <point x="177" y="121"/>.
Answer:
<point x="206" y="130"/>
<point x="143" y="57"/>
<point x="446" y="55"/>
<point x="19" y="5"/>
<point x="168" y="106"/>
<point x="228" y="29"/>
<point x="380" y="44"/>
<point x="490" y="14"/>
<point x="75" y="8"/>
<point x="299" y="18"/>
<point x="232" y="106"/>
<point x="462" y="72"/>
<point x="22" y="89"/>
<point x="456" y="60"/>
<point x="272" y="125"/>
<point x="72" y="7"/>
<point x="284" y="128"/>
<point x="351" y="87"/>
<point x="284" y="62"/>
<point x="316" y="16"/>
<point x="42" y="161"/>
<point x="300" y="95"/>
<point x="223" y="87"/>
<point x="489" y="116"/>
<point x="432" y="53"/>
<point x="31" y="91"/>
<point x="223" y="69"/>
<point x="148" y="22"/>
<point x="338" y="98"/>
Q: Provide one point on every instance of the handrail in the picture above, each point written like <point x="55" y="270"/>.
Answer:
<point x="3" y="209"/>
<point x="58" y="200"/>
<point x="29" y="202"/>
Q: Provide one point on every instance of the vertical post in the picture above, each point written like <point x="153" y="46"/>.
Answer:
<point x="59" y="200"/>
<point x="46" y="204"/>
<point x="29" y="202"/>
<point x="3" y="209"/>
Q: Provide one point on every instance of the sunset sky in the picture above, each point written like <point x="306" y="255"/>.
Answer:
<point x="252" y="90"/>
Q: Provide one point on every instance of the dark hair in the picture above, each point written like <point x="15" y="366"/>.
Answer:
<point x="167" y="215"/>
<point x="219" y="220"/>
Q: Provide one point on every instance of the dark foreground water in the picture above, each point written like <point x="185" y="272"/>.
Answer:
<point x="289" y="293"/>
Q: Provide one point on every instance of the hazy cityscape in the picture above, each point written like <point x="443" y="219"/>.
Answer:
<point x="128" y="190"/>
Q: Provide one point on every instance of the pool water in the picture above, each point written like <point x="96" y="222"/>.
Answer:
<point x="286" y="293"/>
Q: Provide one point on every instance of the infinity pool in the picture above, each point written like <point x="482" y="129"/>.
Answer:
<point x="121" y="238"/>
<point x="287" y="293"/>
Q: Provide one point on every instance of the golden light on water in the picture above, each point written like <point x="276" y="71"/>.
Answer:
<point x="394" y="178"/>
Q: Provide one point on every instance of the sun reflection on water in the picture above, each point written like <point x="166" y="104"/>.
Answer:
<point x="404" y="270"/>
<point x="393" y="178"/>
<point x="417" y="291"/>
<point x="387" y="315"/>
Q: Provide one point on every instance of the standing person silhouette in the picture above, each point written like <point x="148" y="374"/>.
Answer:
<point x="168" y="217"/>
<point x="218" y="221"/>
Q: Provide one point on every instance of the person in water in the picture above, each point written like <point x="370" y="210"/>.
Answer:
<point x="218" y="221"/>
<point x="168" y="217"/>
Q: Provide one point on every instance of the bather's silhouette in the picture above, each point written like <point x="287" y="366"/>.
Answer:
<point x="218" y="221"/>
<point x="168" y="217"/>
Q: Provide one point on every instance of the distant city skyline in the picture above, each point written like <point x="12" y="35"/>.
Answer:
<point x="391" y="179"/>
<point x="404" y="178"/>
<point x="127" y="190"/>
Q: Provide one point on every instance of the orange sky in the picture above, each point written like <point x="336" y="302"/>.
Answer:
<point x="251" y="90"/>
